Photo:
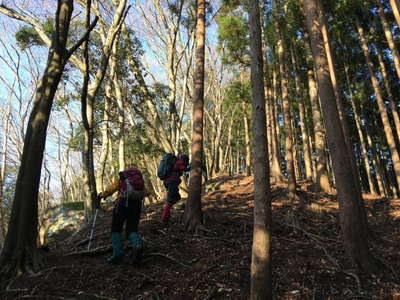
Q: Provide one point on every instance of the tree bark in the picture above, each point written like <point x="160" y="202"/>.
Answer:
<point x="104" y="139"/>
<point x="364" y="150"/>
<point x="3" y="166"/>
<point x="336" y="89"/>
<point x="395" y="8"/>
<point x="287" y="126"/>
<point x="389" y="37"/>
<point x="303" y="127"/>
<point x="380" y="172"/>
<point x="88" y="99"/>
<point x="247" y="140"/>
<point x="261" y="274"/>
<point x="321" y="178"/>
<point x="193" y="214"/>
<point x="382" y="109"/>
<point x="114" y="72"/>
<point x="392" y="102"/>
<point x="352" y="222"/>
<point x="20" y="253"/>
<point x="276" y="165"/>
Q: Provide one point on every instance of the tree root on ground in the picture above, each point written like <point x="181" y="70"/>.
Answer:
<point x="98" y="250"/>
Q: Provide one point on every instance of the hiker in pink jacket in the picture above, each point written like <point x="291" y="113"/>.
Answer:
<point x="171" y="183"/>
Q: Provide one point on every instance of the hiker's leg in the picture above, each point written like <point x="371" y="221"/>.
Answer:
<point x="133" y="211"/>
<point x="172" y="197"/>
<point x="173" y="192"/>
<point x="132" y="224"/>
<point x="118" y="219"/>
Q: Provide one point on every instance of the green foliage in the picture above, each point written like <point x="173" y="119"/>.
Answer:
<point x="26" y="36"/>
<point x="233" y="36"/>
<point x="237" y="93"/>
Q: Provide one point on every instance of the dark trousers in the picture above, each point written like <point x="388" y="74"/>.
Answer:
<point x="129" y="214"/>
<point x="173" y="195"/>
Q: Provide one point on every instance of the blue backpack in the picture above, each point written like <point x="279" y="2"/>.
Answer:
<point x="165" y="166"/>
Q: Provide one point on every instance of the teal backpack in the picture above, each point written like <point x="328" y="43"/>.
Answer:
<point x="165" y="166"/>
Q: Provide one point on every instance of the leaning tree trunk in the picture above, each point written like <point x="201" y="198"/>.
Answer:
<point x="364" y="149"/>
<point x="389" y="37"/>
<point x="381" y="105"/>
<point x="261" y="274"/>
<point x="192" y="216"/>
<point x="336" y="89"/>
<point x="396" y="7"/>
<point x="392" y="101"/>
<point x="20" y="252"/>
<point x="352" y="222"/>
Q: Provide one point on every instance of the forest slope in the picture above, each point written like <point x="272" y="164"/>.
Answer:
<point x="308" y="258"/>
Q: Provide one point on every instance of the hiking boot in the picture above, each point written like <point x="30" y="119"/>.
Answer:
<point x="137" y="247"/>
<point x="166" y="215"/>
<point x="118" y="251"/>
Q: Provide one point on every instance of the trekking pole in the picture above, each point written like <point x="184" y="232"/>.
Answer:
<point x="93" y="224"/>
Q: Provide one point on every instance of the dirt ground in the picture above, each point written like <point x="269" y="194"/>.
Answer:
<point x="308" y="256"/>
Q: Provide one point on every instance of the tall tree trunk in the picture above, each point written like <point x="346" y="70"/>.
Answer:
<point x="237" y="161"/>
<point x="352" y="221"/>
<point x="389" y="37"/>
<point x="193" y="214"/>
<point x="3" y="166"/>
<point x="20" y="253"/>
<point x="87" y="120"/>
<point x="104" y="139"/>
<point x="120" y="104"/>
<point x="268" y="97"/>
<point x="380" y="172"/>
<point x="261" y="274"/>
<point x="88" y="97"/>
<point x="392" y="102"/>
<point x="276" y="165"/>
<point x="396" y="7"/>
<point x="296" y="156"/>
<point x="364" y="150"/>
<point x="336" y="88"/>
<point x="303" y="127"/>
<point x="287" y="126"/>
<point x="382" y="109"/>
<point x="321" y="178"/>
<point x="247" y="140"/>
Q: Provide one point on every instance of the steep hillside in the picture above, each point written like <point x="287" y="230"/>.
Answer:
<point x="308" y="258"/>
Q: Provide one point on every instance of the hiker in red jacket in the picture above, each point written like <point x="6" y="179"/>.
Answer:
<point x="130" y="186"/>
<point x="171" y="182"/>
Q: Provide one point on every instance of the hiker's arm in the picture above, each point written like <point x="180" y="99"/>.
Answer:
<point x="111" y="189"/>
